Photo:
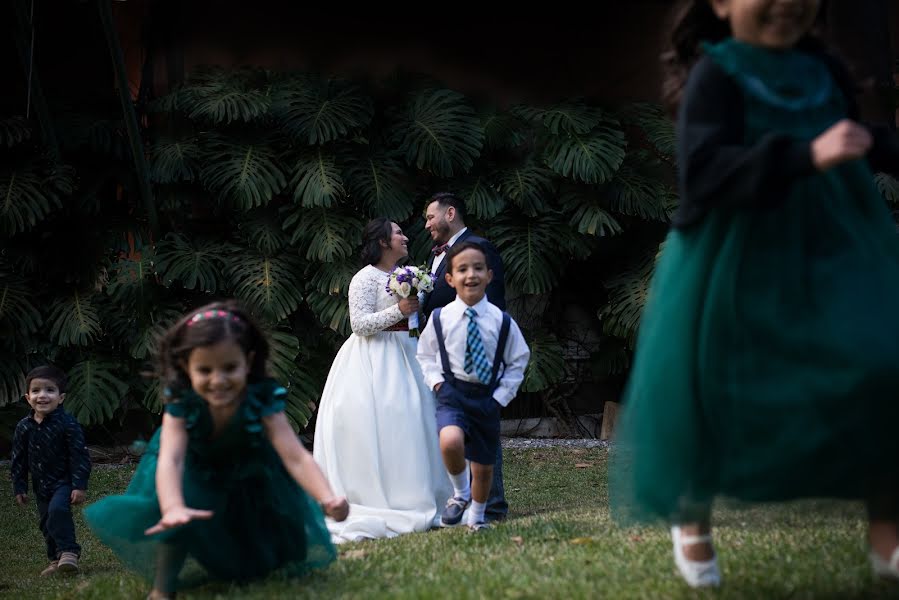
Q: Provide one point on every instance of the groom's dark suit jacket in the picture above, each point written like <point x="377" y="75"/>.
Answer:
<point x="443" y="294"/>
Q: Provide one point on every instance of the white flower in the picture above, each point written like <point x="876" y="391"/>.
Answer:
<point x="404" y="289"/>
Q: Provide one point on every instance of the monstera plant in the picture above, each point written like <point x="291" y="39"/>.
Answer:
<point x="263" y="181"/>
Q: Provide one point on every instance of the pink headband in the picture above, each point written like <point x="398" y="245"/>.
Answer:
<point x="212" y="314"/>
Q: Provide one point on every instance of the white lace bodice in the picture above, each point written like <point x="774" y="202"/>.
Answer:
<point x="372" y="308"/>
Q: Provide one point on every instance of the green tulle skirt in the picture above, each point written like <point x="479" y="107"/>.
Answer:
<point x="263" y="521"/>
<point x="767" y="363"/>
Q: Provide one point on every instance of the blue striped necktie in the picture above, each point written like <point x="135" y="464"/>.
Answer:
<point x="475" y="357"/>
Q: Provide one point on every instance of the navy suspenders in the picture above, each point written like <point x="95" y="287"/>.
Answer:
<point x="497" y="358"/>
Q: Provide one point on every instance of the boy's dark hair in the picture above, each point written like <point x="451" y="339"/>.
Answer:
<point x="50" y="372"/>
<point x="207" y="326"/>
<point x="692" y="23"/>
<point x="456" y="249"/>
<point x="379" y="229"/>
<point x="447" y="199"/>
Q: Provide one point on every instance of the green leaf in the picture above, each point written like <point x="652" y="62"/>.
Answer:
<point x="264" y="233"/>
<point x="888" y="187"/>
<point x="420" y="241"/>
<point x="380" y="183"/>
<point x="590" y="157"/>
<point x="627" y="296"/>
<point x="196" y="263"/>
<point x="324" y="235"/>
<point x="13" y="369"/>
<point x="14" y="130"/>
<point x="533" y="251"/>
<point x="18" y="313"/>
<point x="268" y="286"/>
<point x="333" y="278"/>
<point x="151" y="395"/>
<point x="131" y="278"/>
<point x="588" y="215"/>
<point x="138" y="329"/>
<point x="173" y="161"/>
<point x="482" y="198"/>
<point x="175" y="101"/>
<point x="655" y="124"/>
<point x="440" y="133"/>
<point x="316" y="180"/>
<point x="90" y="128"/>
<point x="502" y="131"/>
<point x="223" y="95"/>
<point x="332" y="310"/>
<point x="143" y="345"/>
<point x="26" y="198"/>
<point x="546" y="366"/>
<point x="567" y="117"/>
<point x="315" y="111"/>
<point x="612" y="358"/>
<point x="528" y="186"/>
<point x="244" y="174"/>
<point x="303" y="388"/>
<point x="74" y="320"/>
<point x="95" y="392"/>
<point x="637" y="195"/>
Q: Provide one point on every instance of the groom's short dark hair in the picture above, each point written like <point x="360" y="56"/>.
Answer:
<point x="447" y="199"/>
<point x="461" y="247"/>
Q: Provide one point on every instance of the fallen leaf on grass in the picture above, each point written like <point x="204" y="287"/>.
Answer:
<point x="582" y="465"/>
<point x="581" y="540"/>
<point x="354" y="554"/>
<point x="517" y="539"/>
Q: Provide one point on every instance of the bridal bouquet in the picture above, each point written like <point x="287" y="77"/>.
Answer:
<point x="405" y="281"/>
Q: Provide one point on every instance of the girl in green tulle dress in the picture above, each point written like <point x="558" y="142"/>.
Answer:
<point x="767" y="363"/>
<point x="224" y="486"/>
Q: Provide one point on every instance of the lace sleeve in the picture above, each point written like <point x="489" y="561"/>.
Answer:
<point x="364" y="318"/>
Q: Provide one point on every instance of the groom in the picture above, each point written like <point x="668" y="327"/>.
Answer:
<point x="445" y="221"/>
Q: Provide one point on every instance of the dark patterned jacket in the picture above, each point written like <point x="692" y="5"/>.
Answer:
<point x="53" y="451"/>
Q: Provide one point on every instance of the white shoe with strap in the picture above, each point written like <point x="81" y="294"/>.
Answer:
<point x="697" y="573"/>
<point x="883" y="568"/>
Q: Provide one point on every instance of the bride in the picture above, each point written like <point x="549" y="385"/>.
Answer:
<point x="376" y="434"/>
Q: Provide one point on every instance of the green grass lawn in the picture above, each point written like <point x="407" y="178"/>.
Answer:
<point x="559" y="542"/>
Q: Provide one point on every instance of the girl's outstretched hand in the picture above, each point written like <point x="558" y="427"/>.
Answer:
<point x="336" y="507"/>
<point x="176" y="517"/>
<point x="844" y="141"/>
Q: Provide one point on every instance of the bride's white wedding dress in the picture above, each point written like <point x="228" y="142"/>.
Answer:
<point x="376" y="433"/>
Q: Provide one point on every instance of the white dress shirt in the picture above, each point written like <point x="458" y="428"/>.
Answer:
<point x="439" y="258"/>
<point x="454" y="322"/>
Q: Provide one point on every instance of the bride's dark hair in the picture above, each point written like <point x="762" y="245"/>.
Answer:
<point x="379" y="229"/>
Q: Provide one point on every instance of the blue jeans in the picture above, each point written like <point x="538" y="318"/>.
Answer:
<point x="56" y="523"/>
<point x="497" y="507"/>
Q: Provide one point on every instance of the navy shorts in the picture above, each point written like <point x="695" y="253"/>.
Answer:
<point x="472" y="408"/>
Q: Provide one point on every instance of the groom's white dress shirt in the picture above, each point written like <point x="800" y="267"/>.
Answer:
<point x="439" y="258"/>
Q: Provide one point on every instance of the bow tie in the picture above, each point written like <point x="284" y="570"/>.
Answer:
<point x="438" y="250"/>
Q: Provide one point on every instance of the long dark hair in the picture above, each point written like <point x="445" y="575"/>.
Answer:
<point x="207" y="326"/>
<point x="379" y="229"/>
<point x="693" y="22"/>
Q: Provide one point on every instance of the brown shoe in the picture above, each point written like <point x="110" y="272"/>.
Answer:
<point x="52" y="568"/>
<point x="68" y="563"/>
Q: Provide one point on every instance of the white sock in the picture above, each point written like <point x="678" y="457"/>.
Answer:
<point x="476" y="512"/>
<point x="462" y="483"/>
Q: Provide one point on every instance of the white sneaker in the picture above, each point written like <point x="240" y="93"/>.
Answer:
<point x="883" y="568"/>
<point x="695" y="572"/>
